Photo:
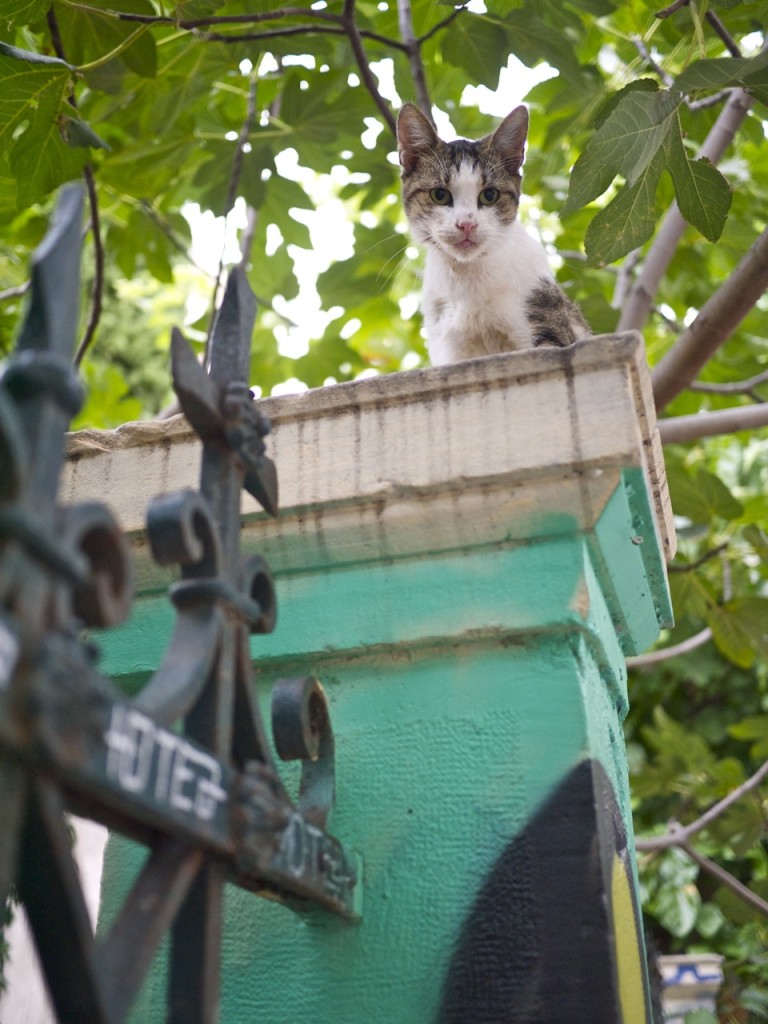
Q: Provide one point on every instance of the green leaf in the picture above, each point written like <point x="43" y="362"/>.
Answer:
<point x="480" y="46"/>
<point x="701" y="497"/>
<point x="532" y="40"/>
<point x="627" y="222"/>
<point x="754" y="727"/>
<point x="710" y="920"/>
<point x="89" y="35"/>
<point x="723" y="72"/>
<point x="627" y="143"/>
<point x="323" y="120"/>
<point x="108" y="403"/>
<point x="755" y="536"/>
<point x="691" y="595"/>
<point x="702" y="193"/>
<point x="614" y="99"/>
<point x="755" y="999"/>
<point x="740" y="629"/>
<point x="32" y="92"/>
<point x="41" y="162"/>
<point x="77" y="133"/>
<point x="677" y="902"/>
<point x="22" y="12"/>
<point x="283" y="196"/>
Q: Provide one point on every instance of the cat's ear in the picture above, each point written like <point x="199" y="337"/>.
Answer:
<point x="509" y="139"/>
<point x="415" y="136"/>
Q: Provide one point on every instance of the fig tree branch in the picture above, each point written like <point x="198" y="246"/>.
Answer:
<point x="677" y="834"/>
<point x="673" y="651"/>
<point x="727" y="879"/>
<point x="716" y="321"/>
<point x="97" y="290"/>
<point x="736" y="387"/>
<point x="413" y="49"/>
<point x="681" y="429"/>
<point x="16" y="292"/>
<point x="367" y="76"/>
<point x="253" y="18"/>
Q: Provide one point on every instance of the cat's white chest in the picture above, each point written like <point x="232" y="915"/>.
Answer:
<point x="478" y="308"/>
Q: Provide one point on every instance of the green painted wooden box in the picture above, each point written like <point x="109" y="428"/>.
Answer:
<point x="464" y="556"/>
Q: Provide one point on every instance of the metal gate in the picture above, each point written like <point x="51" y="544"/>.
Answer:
<point x="183" y="768"/>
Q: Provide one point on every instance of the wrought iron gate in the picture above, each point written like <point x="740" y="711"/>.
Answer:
<point x="183" y="768"/>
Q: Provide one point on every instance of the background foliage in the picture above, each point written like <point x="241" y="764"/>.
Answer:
<point x="255" y="111"/>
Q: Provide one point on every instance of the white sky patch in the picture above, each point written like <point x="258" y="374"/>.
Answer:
<point x="211" y="234"/>
<point x="515" y="81"/>
<point x="292" y="386"/>
<point x="274" y="239"/>
<point x="371" y="133"/>
<point x="385" y="73"/>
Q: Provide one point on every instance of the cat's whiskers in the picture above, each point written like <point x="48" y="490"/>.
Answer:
<point x="391" y="277"/>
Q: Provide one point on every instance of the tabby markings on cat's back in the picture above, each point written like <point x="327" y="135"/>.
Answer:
<point x="488" y="287"/>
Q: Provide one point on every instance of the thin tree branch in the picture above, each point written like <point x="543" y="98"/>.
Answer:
<point x="681" y="429"/>
<point x="336" y="24"/>
<point x="664" y="246"/>
<point x="275" y="33"/>
<point x="97" y="291"/>
<point x="234" y="180"/>
<point x="692" y="643"/>
<point x="702" y="560"/>
<point x="413" y="47"/>
<point x="295" y="30"/>
<point x="677" y="834"/>
<point x="668" y="80"/>
<point x="623" y="283"/>
<point x="673" y="651"/>
<point x="369" y="79"/>
<point x="16" y="292"/>
<point x="229" y="19"/>
<point x="441" y="25"/>
<point x="716" y="321"/>
<point x="194" y="24"/>
<point x="666" y="12"/>
<point x="189" y="23"/>
<point x="737" y="387"/>
<point x="708" y="101"/>
<point x="645" y="53"/>
<point x="672" y="322"/>
<point x="727" y="879"/>
<point x="171" y="235"/>
<point x="725" y="36"/>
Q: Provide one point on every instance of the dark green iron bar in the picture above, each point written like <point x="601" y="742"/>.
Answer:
<point x="185" y="767"/>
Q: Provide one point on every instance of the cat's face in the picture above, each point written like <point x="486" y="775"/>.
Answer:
<point x="460" y="196"/>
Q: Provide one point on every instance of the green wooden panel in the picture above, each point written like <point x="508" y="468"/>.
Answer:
<point x="477" y="699"/>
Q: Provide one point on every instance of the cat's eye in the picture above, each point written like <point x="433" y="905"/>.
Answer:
<point x="489" y="196"/>
<point x="441" y="196"/>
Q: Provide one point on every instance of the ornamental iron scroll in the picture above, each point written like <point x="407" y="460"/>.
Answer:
<point x="184" y="767"/>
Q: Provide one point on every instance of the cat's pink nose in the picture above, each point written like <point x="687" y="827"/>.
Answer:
<point x="467" y="225"/>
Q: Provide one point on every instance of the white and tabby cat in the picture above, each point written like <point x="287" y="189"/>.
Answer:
<point x="487" y="283"/>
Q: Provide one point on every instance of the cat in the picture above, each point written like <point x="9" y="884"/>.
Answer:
<point x="487" y="284"/>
